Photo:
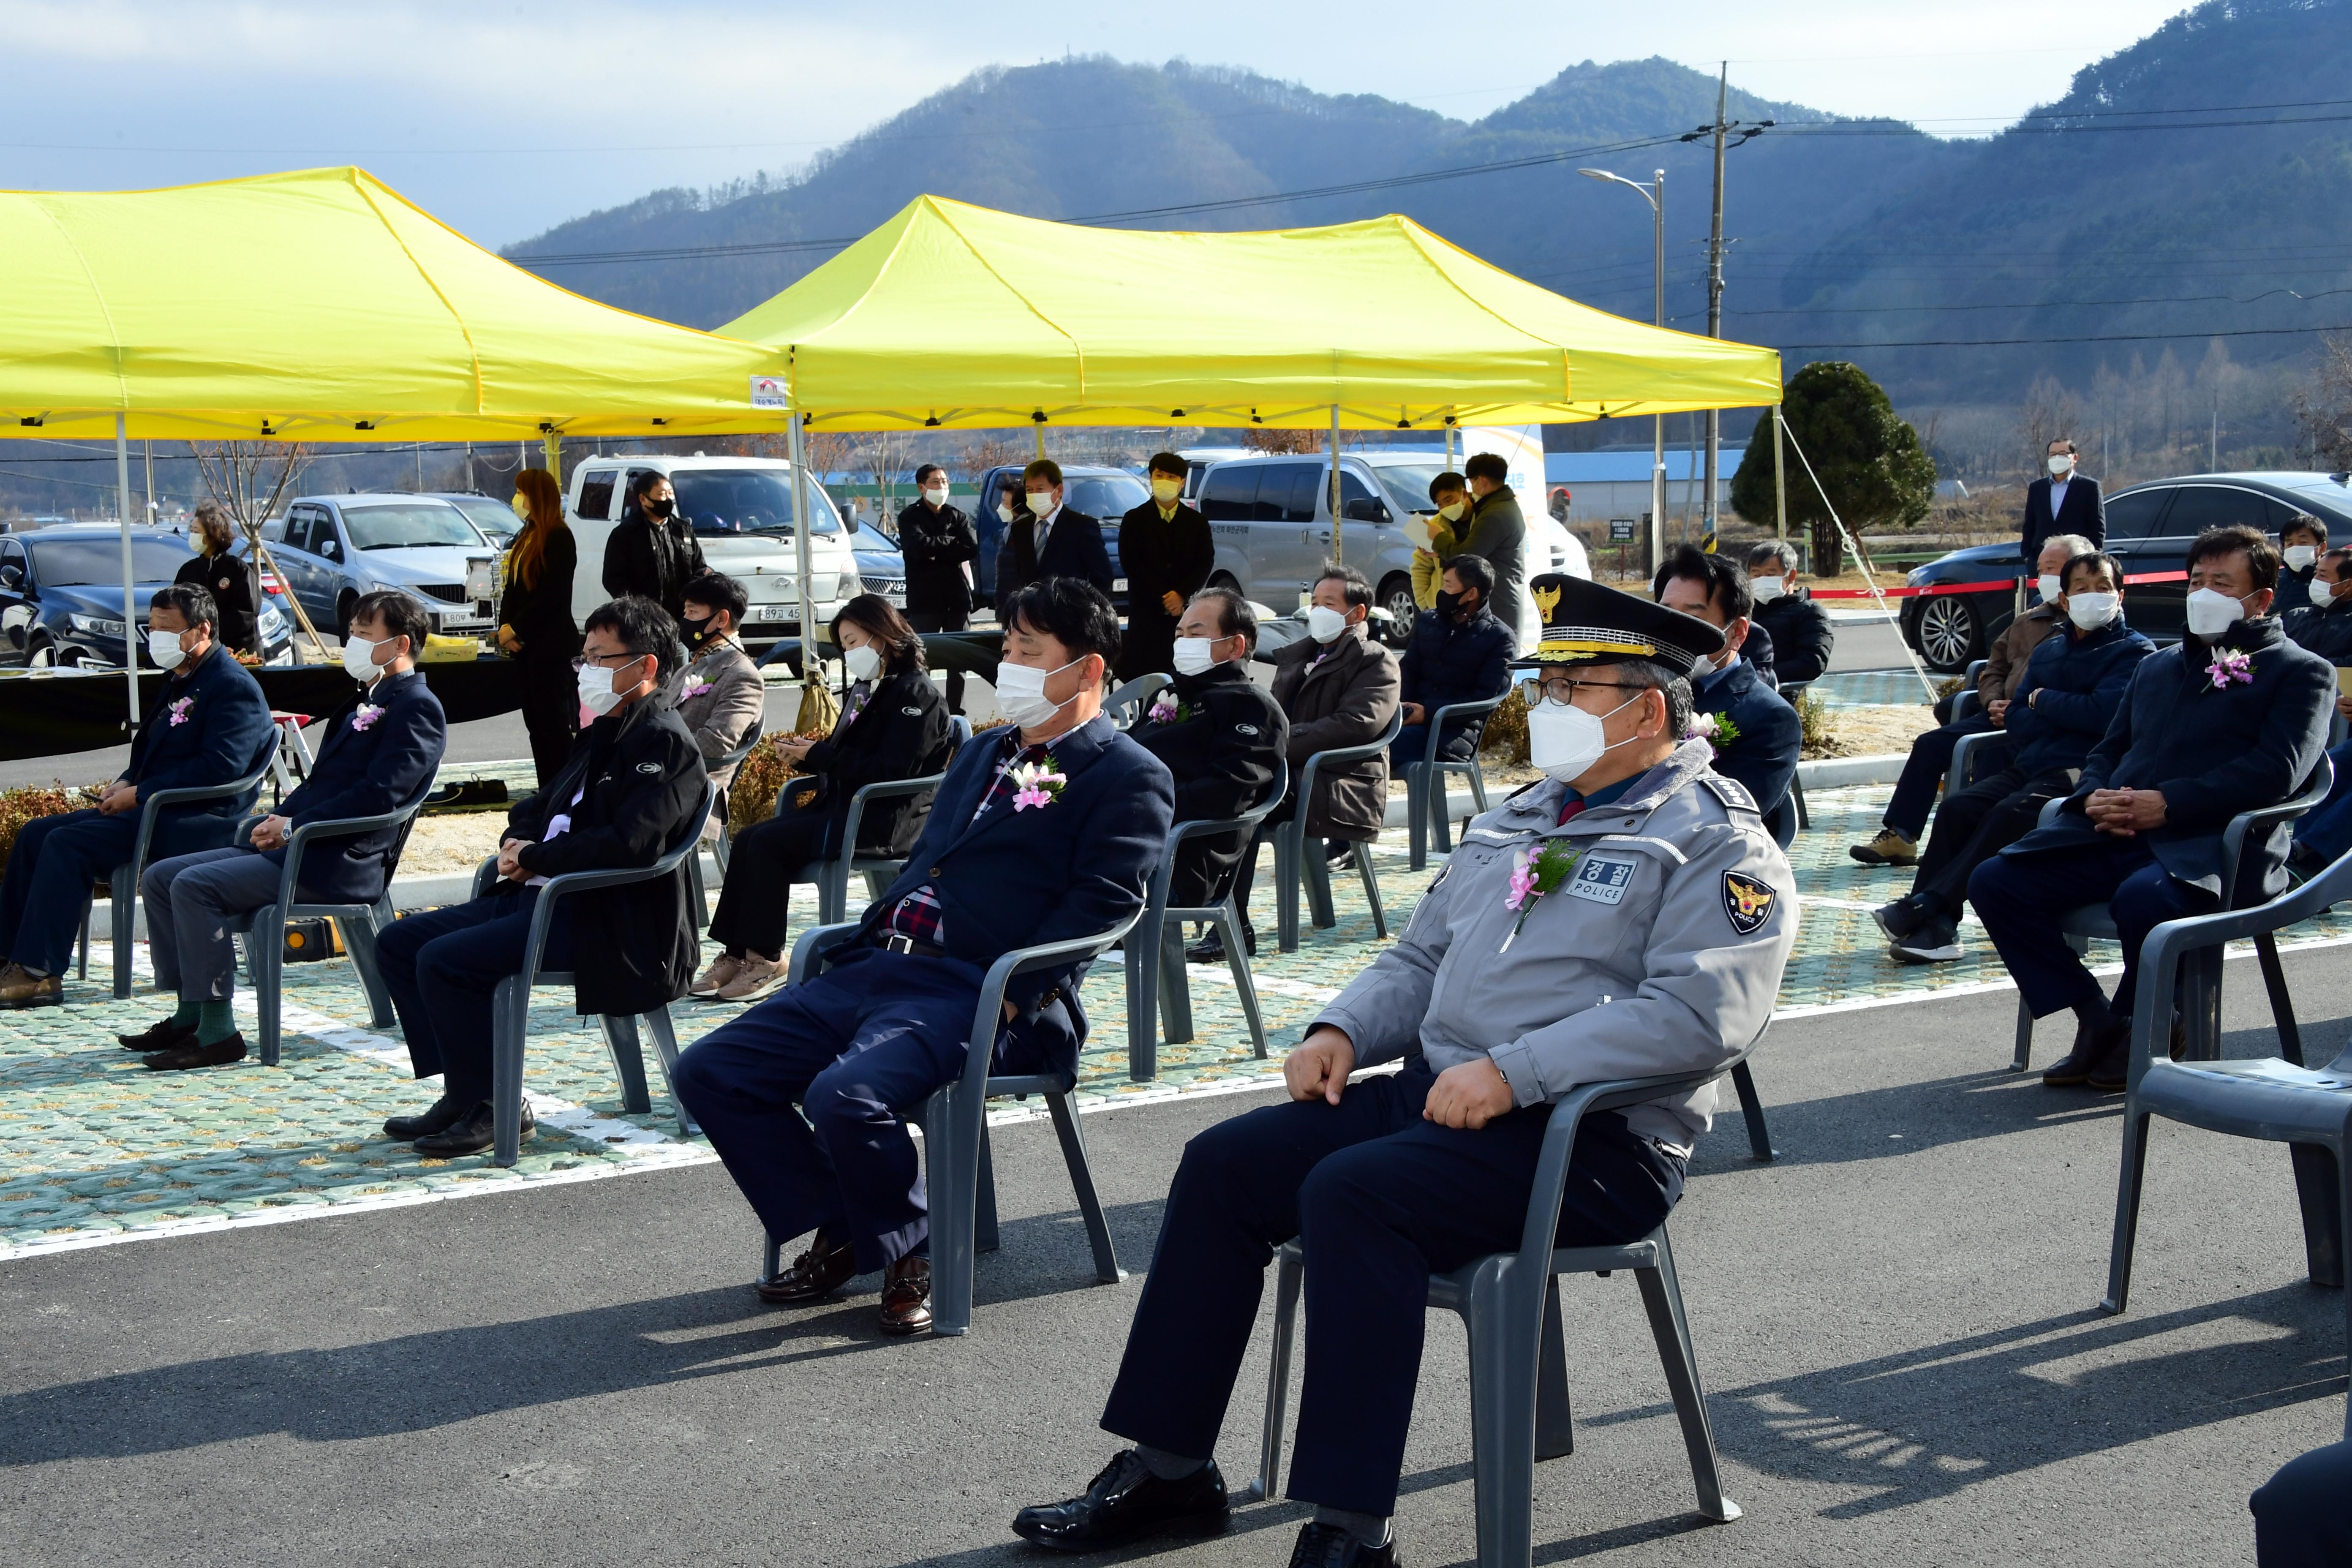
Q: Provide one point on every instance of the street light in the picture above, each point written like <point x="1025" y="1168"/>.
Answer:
<point x="1655" y="195"/>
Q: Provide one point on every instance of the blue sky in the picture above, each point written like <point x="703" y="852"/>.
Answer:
<point x="504" y="116"/>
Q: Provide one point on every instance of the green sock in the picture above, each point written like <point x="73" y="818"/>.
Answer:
<point x="214" y="1022"/>
<point x="186" y="1015"/>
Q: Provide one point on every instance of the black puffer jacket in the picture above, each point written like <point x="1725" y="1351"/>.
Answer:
<point x="653" y="560"/>
<point x="1802" y="637"/>
<point x="900" y="733"/>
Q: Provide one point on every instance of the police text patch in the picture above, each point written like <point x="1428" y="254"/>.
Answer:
<point x="1602" y="879"/>
<point x="1748" y="901"/>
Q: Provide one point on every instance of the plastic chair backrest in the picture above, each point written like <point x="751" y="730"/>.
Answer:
<point x="1339" y="754"/>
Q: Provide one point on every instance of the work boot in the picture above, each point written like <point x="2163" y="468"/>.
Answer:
<point x="1889" y="848"/>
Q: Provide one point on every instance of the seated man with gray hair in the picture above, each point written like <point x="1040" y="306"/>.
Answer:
<point x="1797" y="636"/>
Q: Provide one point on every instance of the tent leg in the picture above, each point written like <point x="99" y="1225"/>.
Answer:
<point x="130" y="578"/>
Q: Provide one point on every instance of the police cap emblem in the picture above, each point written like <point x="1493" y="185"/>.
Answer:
<point x="1747" y="901"/>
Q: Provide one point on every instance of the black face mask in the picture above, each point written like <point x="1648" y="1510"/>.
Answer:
<point x="696" y="633"/>
<point x="1451" y="607"/>
<point x="658" y="508"/>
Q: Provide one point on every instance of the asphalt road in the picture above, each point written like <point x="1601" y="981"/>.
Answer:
<point x="1897" y="1323"/>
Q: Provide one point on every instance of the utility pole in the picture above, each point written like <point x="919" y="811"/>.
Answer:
<point x="1714" y="303"/>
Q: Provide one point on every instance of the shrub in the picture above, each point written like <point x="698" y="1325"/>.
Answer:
<point x="21" y="806"/>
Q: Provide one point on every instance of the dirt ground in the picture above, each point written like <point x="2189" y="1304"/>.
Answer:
<point x="457" y="842"/>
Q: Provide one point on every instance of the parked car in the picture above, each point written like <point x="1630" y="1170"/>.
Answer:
<point x="881" y="569"/>
<point x="742" y="512"/>
<point x="1105" y="495"/>
<point x="332" y="549"/>
<point x="495" y="519"/>
<point x="2150" y="528"/>
<point x="61" y="595"/>
<point x="1197" y="460"/>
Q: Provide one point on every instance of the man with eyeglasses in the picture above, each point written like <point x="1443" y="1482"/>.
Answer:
<point x="1627" y="917"/>
<point x="631" y="789"/>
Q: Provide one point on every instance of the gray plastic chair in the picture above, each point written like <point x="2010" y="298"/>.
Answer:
<point x="2201" y="984"/>
<point x="1973" y="755"/>
<point x="959" y="1176"/>
<point x="1964" y="701"/>
<point x="122" y="882"/>
<point x="510" y="1003"/>
<point x="265" y="958"/>
<point x="721" y="846"/>
<point x="1128" y="704"/>
<point x="1291" y="860"/>
<point x="1426" y="807"/>
<point x="2270" y="1097"/>
<point x="1159" y="990"/>
<point x="831" y="877"/>
<point x="1509" y="1302"/>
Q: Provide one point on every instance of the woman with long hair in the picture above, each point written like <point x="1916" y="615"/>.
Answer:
<point x="232" y="580"/>
<point x="535" y="625"/>
<point x="893" y="725"/>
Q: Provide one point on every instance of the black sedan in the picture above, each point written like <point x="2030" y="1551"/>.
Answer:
<point x="2150" y="528"/>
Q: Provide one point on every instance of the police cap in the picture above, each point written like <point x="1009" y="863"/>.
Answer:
<point x="1584" y="623"/>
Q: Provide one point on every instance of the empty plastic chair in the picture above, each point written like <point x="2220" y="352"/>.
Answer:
<point x="1128" y="704"/>
<point x="1426" y="807"/>
<point x="1293" y="857"/>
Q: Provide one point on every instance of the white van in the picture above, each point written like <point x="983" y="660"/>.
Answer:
<point x="742" y="512"/>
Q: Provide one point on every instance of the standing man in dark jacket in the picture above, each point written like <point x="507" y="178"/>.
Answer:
<point x="1459" y="653"/>
<point x="1047" y="541"/>
<point x="634" y="786"/>
<point x="2232" y="718"/>
<point x="941" y="545"/>
<point x="2072" y="687"/>
<point x="2064" y="502"/>
<point x="210" y="726"/>
<point x="376" y="751"/>
<point x="654" y="554"/>
<point x="1797" y="631"/>
<point x="1497" y="534"/>
<point x="1165" y="551"/>
<point x="1219" y="733"/>
<point x="1756" y="734"/>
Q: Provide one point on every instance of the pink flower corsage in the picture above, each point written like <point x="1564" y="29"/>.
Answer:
<point x="1166" y="709"/>
<point x="1702" y="728"/>
<point x="180" y="709"/>
<point x="1038" y="783"/>
<point x="366" y="714"/>
<point x="2230" y="664"/>
<point x="694" y="688"/>
<point x="1532" y="876"/>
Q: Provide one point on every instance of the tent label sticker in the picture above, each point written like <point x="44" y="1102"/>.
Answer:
<point x="767" y="391"/>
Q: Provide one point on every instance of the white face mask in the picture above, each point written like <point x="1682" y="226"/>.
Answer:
<point x="1021" y="694"/>
<point x="164" y="648"/>
<point x="2211" y="613"/>
<point x="1451" y="511"/>
<point x="1325" y="625"/>
<point x="1042" y="504"/>
<point x="2322" y="592"/>
<point x="1768" y="589"/>
<point x="1194" y="654"/>
<point x="1165" y="491"/>
<point x="596" y="693"/>
<point x="1004" y="511"/>
<point x="1565" y="741"/>
<point x="2050" y="585"/>
<point x="359" y="659"/>
<point x="2299" y="556"/>
<point x="864" y="662"/>
<point x="937" y="495"/>
<point x="2091" y="611"/>
<point x="2061" y="464"/>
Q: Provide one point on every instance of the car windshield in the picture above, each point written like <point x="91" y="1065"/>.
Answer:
<point x="408" y="525"/>
<point x="492" y="517"/>
<point x="98" y="562"/>
<point x="1104" y="497"/>
<point x="722" y="501"/>
<point x="1407" y="485"/>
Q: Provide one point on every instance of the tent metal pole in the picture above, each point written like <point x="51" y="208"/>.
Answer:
<point x="155" y="512"/>
<point x="1039" y="427"/>
<point x="1335" y="520"/>
<point x="803" y="521"/>
<point x="552" y="445"/>
<point x="130" y="580"/>
<point x="1779" y="480"/>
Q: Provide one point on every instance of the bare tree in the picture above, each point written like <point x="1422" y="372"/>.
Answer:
<point x="249" y="479"/>
<point x="2050" y="412"/>
<point x="2323" y="407"/>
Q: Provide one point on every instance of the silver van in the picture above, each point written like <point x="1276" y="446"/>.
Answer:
<point x="1271" y="519"/>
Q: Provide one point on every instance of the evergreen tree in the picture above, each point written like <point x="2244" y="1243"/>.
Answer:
<point x="1866" y="457"/>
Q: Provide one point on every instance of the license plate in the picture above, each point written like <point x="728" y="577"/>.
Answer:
<point x="1118" y="585"/>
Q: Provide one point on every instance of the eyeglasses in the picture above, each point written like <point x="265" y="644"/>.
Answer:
<point x="598" y="659"/>
<point x="1562" y="688"/>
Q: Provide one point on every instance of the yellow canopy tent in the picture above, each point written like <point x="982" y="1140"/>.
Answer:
<point x="950" y="315"/>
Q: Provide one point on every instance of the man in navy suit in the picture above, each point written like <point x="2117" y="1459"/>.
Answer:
<point x="1049" y="541"/>
<point x="378" y="748"/>
<point x="2065" y="502"/>
<point x="1755" y="733"/>
<point x="2232" y="719"/>
<point x="1046" y="829"/>
<point x="210" y="726"/>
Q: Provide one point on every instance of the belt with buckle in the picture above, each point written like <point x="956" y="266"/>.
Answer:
<point x="894" y="942"/>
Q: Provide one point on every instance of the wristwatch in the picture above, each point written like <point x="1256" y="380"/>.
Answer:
<point x="1503" y="1075"/>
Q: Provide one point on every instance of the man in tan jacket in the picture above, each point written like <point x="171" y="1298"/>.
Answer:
<point x="1905" y="823"/>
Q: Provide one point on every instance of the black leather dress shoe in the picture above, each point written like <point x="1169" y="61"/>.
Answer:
<point x="188" y="1054"/>
<point x="815" y="1274"/>
<point x="159" y="1037"/>
<point x="443" y="1115"/>
<point x="907" y="1297"/>
<point x="1328" y="1546"/>
<point x="1211" y="948"/>
<point x="2092" y="1047"/>
<point x="471" y="1133"/>
<point x="1128" y="1502"/>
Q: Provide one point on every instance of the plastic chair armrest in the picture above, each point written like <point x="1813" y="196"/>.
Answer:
<point x="884" y="790"/>
<point x="813" y="945"/>
<point x="1437" y="721"/>
<point x="2242" y="825"/>
<point x="988" y="1014"/>
<point x="1339" y="754"/>
<point x="149" y="805"/>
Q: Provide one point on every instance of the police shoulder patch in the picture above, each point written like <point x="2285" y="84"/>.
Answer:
<point x="1730" y="790"/>
<point x="1748" y="903"/>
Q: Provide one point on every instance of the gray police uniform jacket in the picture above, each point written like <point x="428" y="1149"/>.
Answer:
<point x="1661" y="952"/>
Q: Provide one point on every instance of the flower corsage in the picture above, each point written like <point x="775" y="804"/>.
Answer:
<point x="2231" y="664"/>
<point x="1037" y="784"/>
<point x="1532" y="876"/>
<point x="364" y="715"/>
<point x="1715" y="729"/>
<point x="1167" y="708"/>
<point x="180" y="709"/>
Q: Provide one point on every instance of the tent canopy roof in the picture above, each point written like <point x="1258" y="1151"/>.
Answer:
<point x="321" y="304"/>
<point x="956" y="315"/>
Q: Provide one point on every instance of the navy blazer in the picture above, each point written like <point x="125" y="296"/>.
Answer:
<point x="365" y="772"/>
<point x="1763" y="757"/>
<point x="2074" y="686"/>
<point x="1018" y="879"/>
<point x="2085" y="512"/>
<point x="2211" y="752"/>
<point x="211" y="725"/>
<point x="1074" y="548"/>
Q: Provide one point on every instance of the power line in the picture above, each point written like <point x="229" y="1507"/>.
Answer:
<point x="2094" y="338"/>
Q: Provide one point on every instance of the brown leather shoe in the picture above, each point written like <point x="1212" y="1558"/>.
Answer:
<point x="20" y="988"/>
<point x="907" y="1297"/>
<point x="815" y="1274"/>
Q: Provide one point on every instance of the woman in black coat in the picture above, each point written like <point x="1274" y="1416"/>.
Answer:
<point x="893" y="725"/>
<point x="535" y="625"/>
<point x="230" y="579"/>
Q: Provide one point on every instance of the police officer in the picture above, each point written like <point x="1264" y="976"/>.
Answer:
<point x="1219" y="734"/>
<point x="1657" y="949"/>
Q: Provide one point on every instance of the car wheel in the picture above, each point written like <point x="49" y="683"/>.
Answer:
<point x="42" y="655"/>
<point x="1949" y="633"/>
<point x="344" y="616"/>
<point x="1396" y="597"/>
<point x="1224" y="579"/>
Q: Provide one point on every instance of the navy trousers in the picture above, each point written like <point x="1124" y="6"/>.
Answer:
<point x="2022" y="897"/>
<point x="870" y="1036"/>
<point x="1458" y="744"/>
<point x="1976" y="823"/>
<point x="2327" y="831"/>
<point x="57" y="860"/>
<point x="2300" y="1520"/>
<point x="443" y="968"/>
<point x="1381" y="1200"/>
<point x="1931" y="757"/>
